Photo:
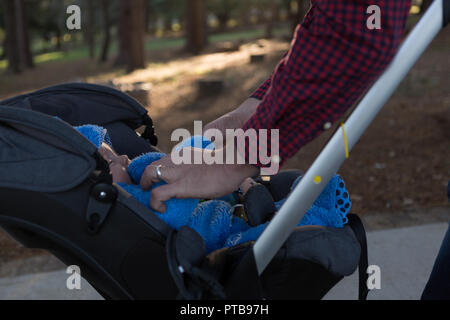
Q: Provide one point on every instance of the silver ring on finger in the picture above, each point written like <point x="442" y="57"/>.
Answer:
<point x="158" y="172"/>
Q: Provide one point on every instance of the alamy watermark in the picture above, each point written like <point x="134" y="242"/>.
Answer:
<point x="230" y="149"/>
<point x="73" y="282"/>
<point x="374" y="20"/>
<point x="374" y="278"/>
<point x="73" y="21"/>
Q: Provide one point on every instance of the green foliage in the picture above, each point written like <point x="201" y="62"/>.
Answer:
<point x="165" y="11"/>
<point x="219" y="7"/>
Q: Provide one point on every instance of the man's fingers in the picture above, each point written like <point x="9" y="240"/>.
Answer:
<point x="168" y="174"/>
<point x="165" y="162"/>
<point x="149" y="177"/>
<point x="163" y="193"/>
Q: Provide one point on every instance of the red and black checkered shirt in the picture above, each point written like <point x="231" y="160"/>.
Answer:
<point x="333" y="58"/>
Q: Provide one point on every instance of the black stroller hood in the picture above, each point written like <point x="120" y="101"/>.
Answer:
<point x="104" y="104"/>
<point x="56" y="193"/>
<point x="41" y="153"/>
<point x="86" y="103"/>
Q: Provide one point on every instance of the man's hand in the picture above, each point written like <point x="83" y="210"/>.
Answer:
<point x="199" y="181"/>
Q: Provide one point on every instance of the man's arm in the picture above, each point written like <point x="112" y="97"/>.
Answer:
<point x="333" y="59"/>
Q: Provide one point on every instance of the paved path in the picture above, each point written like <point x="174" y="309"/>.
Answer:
<point x="44" y="286"/>
<point x="405" y="256"/>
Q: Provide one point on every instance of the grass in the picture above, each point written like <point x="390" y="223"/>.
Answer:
<point x="151" y="44"/>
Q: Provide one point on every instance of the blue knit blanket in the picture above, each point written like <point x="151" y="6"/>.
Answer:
<point x="213" y="219"/>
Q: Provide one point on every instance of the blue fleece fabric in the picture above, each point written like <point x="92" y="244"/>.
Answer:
<point x="95" y="134"/>
<point x="213" y="219"/>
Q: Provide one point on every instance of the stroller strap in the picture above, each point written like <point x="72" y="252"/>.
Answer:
<point x="358" y="229"/>
<point x="149" y="132"/>
<point x="185" y="252"/>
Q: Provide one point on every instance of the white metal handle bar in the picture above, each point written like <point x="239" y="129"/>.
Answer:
<point x="334" y="153"/>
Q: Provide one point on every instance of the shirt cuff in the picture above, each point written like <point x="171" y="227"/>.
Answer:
<point x="254" y="146"/>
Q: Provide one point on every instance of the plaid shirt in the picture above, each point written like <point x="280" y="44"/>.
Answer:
<point x="333" y="58"/>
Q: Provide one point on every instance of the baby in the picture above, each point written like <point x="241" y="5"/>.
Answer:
<point x="212" y="219"/>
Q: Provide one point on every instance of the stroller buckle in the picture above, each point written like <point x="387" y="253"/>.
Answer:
<point x="104" y="192"/>
<point x="102" y="197"/>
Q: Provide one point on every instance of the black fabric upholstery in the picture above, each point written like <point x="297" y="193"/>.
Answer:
<point x="259" y="205"/>
<point x="41" y="153"/>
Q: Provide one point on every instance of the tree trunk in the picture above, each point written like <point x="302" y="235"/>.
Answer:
<point x="106" y="31"/>
<point x="90" y="39"/>
<point x="272" y="19"/>
<point x="167" y="23"/>
<point x="58" y="39"/>
<point x="124" y="27"/>
<point x="12" y="49"/>
<point x="17" y="42"/>
<point x="302" y="9"/>
<point x="147" y="17"/>
<point x="132" y="34"/>
<point x="137" y="60"/>
<point x="196" y="26"/>
<point x="23" y="38"/>
<point x="223" y="20"/>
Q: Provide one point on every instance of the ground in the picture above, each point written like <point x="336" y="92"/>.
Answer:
<point x="400" y="165"/>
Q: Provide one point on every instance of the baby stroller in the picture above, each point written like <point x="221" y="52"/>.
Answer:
<point x="123" y="249"/>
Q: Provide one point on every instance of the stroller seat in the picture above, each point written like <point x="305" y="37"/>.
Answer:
<point x="122" y="248"/>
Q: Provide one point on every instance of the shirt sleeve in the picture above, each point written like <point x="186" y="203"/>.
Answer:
<point x="260" y="93"/>
<point x="332" y="60"/>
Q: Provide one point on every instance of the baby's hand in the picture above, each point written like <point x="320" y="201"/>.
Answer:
<point x="118" y="168"/>
<point x="246" y="185"/>
<point x="118" y="164"/>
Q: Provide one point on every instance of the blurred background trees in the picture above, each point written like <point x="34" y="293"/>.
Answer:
<point x="16" y="44"/>
<point x="196" y="23"/>
<point x="131" y="34"/>
<point x="120" y="30"/>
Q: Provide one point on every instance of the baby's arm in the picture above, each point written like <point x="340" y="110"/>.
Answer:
<point x="118" y="164"/>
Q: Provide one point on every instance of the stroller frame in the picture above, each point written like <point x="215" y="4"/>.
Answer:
<point x="336" y="151"/>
